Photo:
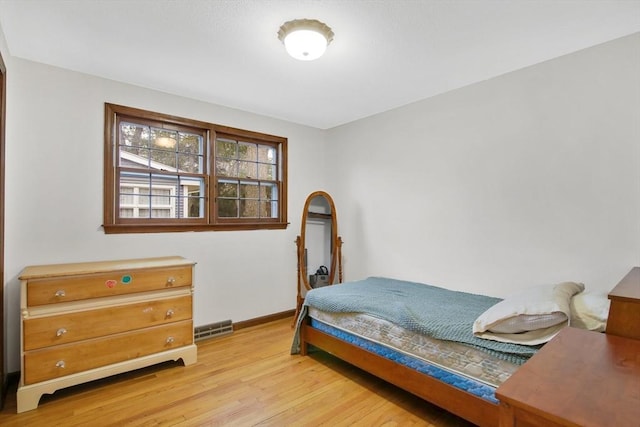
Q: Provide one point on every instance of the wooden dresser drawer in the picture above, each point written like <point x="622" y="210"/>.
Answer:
<point x="67" y="359"/>
<point x="55" y="290"/>
<point x="89" y="320"/>
<point x="71" y="327"/>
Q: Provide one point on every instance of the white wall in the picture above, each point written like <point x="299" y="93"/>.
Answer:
<point x="531" y="177"/>
<point x="54" y="169"/>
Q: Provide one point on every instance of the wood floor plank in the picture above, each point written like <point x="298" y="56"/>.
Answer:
<point x="247" y="378"/>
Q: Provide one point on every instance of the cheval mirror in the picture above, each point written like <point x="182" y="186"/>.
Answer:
<point x="319" y="246"/>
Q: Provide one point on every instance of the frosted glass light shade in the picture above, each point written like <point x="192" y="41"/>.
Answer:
<point x="305" y="39"/>
<point x="305" y="45"/>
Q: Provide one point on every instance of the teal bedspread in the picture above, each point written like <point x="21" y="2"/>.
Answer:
<point x="429" y="310"/>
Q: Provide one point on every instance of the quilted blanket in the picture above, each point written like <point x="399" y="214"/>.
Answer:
<point x="429" y="310"/>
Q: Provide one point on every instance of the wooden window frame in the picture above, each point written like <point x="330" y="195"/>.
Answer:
<point x="113" y="224"/>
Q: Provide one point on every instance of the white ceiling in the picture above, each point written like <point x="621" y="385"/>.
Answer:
<point x="386" y="53"/>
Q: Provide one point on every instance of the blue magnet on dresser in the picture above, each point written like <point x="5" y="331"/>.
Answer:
<point x="126" y="279"/>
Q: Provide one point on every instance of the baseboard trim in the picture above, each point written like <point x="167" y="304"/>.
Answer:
<point x="264" y="319"/>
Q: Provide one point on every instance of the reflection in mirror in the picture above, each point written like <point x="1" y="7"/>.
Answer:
<point x="318" y="243"/>
<point x="319" y="246"/>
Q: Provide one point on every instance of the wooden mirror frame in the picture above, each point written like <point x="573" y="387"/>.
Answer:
<point x="336" y="245"/>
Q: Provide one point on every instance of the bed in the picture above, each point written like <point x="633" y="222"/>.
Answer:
<point x="426" y="339"/>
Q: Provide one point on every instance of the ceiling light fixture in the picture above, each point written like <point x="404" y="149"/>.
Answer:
<point x="305" y="39"/>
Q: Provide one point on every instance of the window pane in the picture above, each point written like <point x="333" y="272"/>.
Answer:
<point x="268" y="191"/>
<point x="195" y="207"/>
<point x="143" y="196"/>
<point x="227" y="208"/>
<point x="126" y="195"/>
<point x="248" y="208"/>
<point x="190" y="163"/>
<point x="247" y="170"/>
<point x="268" y="209"/>
<point x="133" y="184"/>
<point x="164" y="181"/>
<point x="227" y="168"/>
<point x="189" y="143"/>
<point x="134" y="157"/>
<point x="267" y="172"/>
<point x="267" y="154"/>
<point x="192" y="186"/>
<point x="248" y="190"/>
<point x="226" y="149"/>
<point x="192" y="199"/>
<point x="163" y="160"/>
<point x="161" y="196"/>
<point x="228" y="189"/>
<point x="248" y="151"/>
<point x="164" y="190"/>
<point x="160" y="213"/>
<point x="134" y="135"/>
<point x="163" y="139"/>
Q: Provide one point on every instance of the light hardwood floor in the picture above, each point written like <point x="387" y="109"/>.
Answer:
<point x="244" y="379"/>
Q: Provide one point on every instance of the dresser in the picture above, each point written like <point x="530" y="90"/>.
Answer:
<point x="624" y="312"/>
<point x="582" y="378"/>
<point x="85" y="321"/>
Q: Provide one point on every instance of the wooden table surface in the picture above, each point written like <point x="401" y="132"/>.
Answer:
<point x="580" y="378"/>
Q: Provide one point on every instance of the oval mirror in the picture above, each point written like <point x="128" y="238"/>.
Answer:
<point x="319" y="246"/>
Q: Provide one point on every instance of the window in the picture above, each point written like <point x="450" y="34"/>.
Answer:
<point x="246" y="176"/>
<point x="165" y="173"/>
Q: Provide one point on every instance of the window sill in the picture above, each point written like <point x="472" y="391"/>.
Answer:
<point x="174" y="228"/>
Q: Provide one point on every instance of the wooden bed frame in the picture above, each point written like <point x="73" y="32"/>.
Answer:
<point x="465" y="405"/>
<point x="623" y="320"/>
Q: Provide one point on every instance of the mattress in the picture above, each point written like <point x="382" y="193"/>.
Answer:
<point x="452" y="357"/>
<point x="429" y="310"/>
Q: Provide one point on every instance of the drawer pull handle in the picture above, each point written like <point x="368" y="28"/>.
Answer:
<point x="60" y="364"/>
<point x="170" y="312"/>
<point x="170" y="340"/>
<point x="171" y="281"/>
<point x="60" y="293"/>
<point x="60" y="332"/>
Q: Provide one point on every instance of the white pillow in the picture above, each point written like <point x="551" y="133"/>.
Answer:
<point x="531" y="316"/>
<point x="589" y="310"/>
<point x="528" y="322"/>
